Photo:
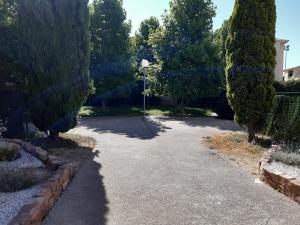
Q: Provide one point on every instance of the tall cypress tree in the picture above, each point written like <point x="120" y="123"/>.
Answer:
<point x="111" y="66"/>
<point x="56" y="43"/>
<point x="250" y="54"/>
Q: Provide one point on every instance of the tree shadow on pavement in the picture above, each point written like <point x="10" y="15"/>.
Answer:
<point x="132" y="127"/>
<point x="223" y="125"/>
<point x="84" y="202"/>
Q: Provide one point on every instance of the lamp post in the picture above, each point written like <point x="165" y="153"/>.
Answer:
<point x="286" y="48"/>
<point x="145" y="64"/>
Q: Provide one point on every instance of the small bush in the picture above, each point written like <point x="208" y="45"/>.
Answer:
<point x="288" y="158"/>
<point x="8" y="151"/>
<point x="16" y="181"/>
<point x="283" y="123"/>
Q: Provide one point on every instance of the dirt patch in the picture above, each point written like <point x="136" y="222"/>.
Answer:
<point x="236" y="148"/>
<point x="69" y="148"/>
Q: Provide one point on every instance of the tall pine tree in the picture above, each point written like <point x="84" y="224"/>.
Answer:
<point x="56" y="43"/>
<point x="250" y="54"/>
<point x="111" y="65"/>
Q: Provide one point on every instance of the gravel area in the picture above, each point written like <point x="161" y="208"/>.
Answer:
<point x="289" y="170"/>
<point x="11" y="203"/>
<point x="24" y="161"/>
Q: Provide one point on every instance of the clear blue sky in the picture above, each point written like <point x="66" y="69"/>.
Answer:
<point x="288" y="19"/>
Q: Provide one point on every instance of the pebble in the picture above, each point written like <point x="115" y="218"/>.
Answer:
<point x="11" y="203"/>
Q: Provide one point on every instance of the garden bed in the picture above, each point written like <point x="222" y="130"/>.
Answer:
<point x="283" y="178"/>
<point x="31" y="183"/>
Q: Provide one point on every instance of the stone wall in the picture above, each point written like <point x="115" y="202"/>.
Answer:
<point x="37" y="209"/>
<point x="281" y="182"/>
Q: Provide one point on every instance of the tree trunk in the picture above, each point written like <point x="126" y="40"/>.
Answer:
<point x="182" y="106"/>
<point x="54" y="135"/>
<point x="251" y="133"/>
<point x="103" y="105"/>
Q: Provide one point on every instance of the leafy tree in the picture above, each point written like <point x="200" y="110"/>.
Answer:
<point x="10" y="70"/>
<point x="184" y="50"/>
<point x="220" y="38"/>
<point x="56" y="45"/>
<point x="251" y="62"/>
<point x="142" y="46"/>
<point x="12" y="73"/>
<point x="111" y="64"/>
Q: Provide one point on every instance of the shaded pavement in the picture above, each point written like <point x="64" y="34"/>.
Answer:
<point x="159" y="173"/>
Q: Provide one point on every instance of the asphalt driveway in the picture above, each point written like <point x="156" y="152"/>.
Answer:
<point x="159" y="173"/>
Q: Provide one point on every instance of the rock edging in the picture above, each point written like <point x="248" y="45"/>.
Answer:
<point x="282" y="182"/>
<point x="37" y="209"/>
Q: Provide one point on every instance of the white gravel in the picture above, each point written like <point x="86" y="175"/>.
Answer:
<point x="24" y="161"/>
<point x="289" y="170"/>
<point x="11" y="203"/>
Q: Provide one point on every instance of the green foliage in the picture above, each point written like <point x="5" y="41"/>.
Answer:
<point x="220" y="38"/>
<point x="288" y="158"/>
<point x="56" y="44"/>
<point x="287" y="86"/>
<point x="17" y="180"/>
<point x="283" y="123"/>
<point x="111" y="63"/>
<point x="185" y="53"/>
<point x="10" y="69"/>
<point x="8" y="152"/>
<point x="143" y="50"/>
<point x="250" y="55"/>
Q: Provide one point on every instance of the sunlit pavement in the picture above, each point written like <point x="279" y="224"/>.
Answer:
<point x="157" y="172"/>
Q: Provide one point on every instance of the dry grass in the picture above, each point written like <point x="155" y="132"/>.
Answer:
<point x="69" y="147"/>
<point x="235" y="147"/>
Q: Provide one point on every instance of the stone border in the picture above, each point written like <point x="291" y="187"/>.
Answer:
<point x="285" y="184"/>
<point x="37" y="209"/>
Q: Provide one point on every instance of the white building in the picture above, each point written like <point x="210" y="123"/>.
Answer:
<point x="280" y="47"/>
<point x="292" y="74"/>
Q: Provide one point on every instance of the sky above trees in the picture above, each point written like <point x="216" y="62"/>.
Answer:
<point x="288" y="18"/>
<point x="287" y="21"/>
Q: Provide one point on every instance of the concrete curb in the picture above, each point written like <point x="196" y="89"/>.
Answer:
<point x="37" y="209"/>
<point x="285" y="184"/>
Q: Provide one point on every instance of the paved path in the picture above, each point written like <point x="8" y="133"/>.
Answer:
<point x="161" y="174"/>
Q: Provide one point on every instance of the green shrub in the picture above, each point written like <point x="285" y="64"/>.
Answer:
<point x="283" y="123"/>
<point x="8" y="151"/>
<point x="16" y="181"/>
<point x="288" y="158"/>
<point x="289" y="86"/>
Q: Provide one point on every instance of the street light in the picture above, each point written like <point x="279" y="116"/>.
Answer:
<point x="145" y="64"/>
<point x="286" y="48"/>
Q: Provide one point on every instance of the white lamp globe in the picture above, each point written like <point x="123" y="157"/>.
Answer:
<point x="145" y="63"/>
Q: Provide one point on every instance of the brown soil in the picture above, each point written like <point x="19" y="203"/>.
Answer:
<point x="70" y="148"/>
<point x="235" y="147"/>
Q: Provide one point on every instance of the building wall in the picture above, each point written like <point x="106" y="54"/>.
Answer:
<point x="296" y="74"/>
<point x="280" y="45"/>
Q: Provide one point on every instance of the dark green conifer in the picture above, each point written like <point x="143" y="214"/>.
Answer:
<point x="250" y="55"/>
<point x="56" y="43"/>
